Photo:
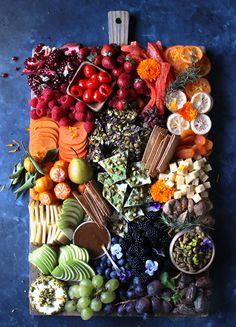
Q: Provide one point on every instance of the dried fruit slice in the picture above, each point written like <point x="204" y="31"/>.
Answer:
<point x="185" y="153"/>
<point x="176" y="124"/>
<point x="201" y="125"/>
<point x="176" y="100"/>
<point x="202" y="101"/>
<point x="205" y="65"/>
<point x="172" y="54"/>
<point x="191" y="54"/>
<point x="200" y="85"/>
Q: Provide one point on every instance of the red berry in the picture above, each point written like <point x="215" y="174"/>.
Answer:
<point x="120" y="105"/>
<point x="90" y="116"/>
<point x="108" y="62"/>
<point x="123" y="94"/>
<point x="52" y="104"/>
<point x="57" y="94"/>
<point x="120" y="60"/>
<point x="125" y="80"/>
<point x="33" y="114"/>
<point x="56" y="113"/>
<point x="80" y="116"/>
<point x="98" y="60"/>
<point x="129" y="66"/>
<point x="33" y="102"/>
<point x="71" y="116"/>
<point x="89" y="126"/>
<point x="49" y="113"/>
<point x="42" y="104"/>
<point x="64" y="121"/>
<point x="132" y="94"/>
<point x="80" y="107"/>
<point x="48" y="94"/>
<point x="117" y="71"/>
<point x="66" y="101"/>
<point x="41" y="112"/>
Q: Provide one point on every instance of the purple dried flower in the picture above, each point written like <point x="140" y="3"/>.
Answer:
<point x="154" y="206"/>
<point x="123" y="274"/>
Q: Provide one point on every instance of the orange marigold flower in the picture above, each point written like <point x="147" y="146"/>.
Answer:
<point x="188" y="112"/>
<point x="161" y="192"/>
<point x="149" y="69"/>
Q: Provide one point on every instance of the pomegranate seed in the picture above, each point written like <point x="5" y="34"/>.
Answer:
<point x="17" y="68"/>
<point x="5" y="75"/>
<point x="14" y="58"/>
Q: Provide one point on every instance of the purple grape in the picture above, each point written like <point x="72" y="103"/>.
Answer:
<point x="130" y="307"/>
<point x="156" y="305"/>
<point x="139" y="290"/>
<point x="121" y="310"/>
<point x="142" y="305"/>
<point x="166" y="307"/>
<point x="154" y="288"/>
<point x="130" y="294"/>
<point x="109" y="309"/>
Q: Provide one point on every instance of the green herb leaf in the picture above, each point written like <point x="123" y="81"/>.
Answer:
<point x="50" y="155"/>
<point x="17" y="173"/>
<point x="27" y="185"/>
<point x="164" y="278"/>
<point x="166" y="298"/>
<point x="35" y="163"/>
<point x="167" y="281"/>
<point x="176" y="298"/>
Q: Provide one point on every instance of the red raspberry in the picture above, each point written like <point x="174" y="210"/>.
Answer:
<point x="66" y="101"/>
<point x="42" y="104"/>
<point x="48" y="94"/>
<point x="56" y="94"/>
<point x="49" y="113"/>
<point x="89" y="126"/>
<point x="71" y="116"/>
<point x="41" y="112"/>
<point x="56" y="113"/>
<point x="90" y="116"/>
<point x="80" y="116"/>
<point x="33" y="102"/>
<point x="52" y="103"/>
<point x="33" y="114"/>
<point x="80" y="106"/>
<point x="64" y="121"/>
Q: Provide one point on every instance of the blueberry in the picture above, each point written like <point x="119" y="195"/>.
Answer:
<point x="103" y="264"/>
<point x="113" y="274"/>
<point x="121" y="310"/>
<point x="104" y="258"/>
<point x="130" y="294"/>
<point x="109" y="308"/>
<point x="99" y="271"/>
<point x="114" y="258"/>
<point x="121" y="262"/>
<point x="136" y="281"/>
<point x="109" y="264"/>
<point x="122" y="294"/>
<point x="107" y="273"/>
<point x="114" y="240"/>
<point x="139" y="290"/>
<point x="127" y="266"/>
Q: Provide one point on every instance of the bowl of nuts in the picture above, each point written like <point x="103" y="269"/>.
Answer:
<point x="192" y="251"/>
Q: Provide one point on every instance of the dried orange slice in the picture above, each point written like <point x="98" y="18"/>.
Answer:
<point x="201" y="125"/>
<point x="176" y="124"/>
<point x="58" y="174"/>
<point x="200" y="85"/>
<point x="205" y="65"/>
<point x="172" y="54"/>
<point x="191" y="54"/>
<point x="62" y="191"/>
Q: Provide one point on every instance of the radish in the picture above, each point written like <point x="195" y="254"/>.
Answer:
<point x="121" y="105"/>
<point x="108" y="62"/>
<point x="130" y="66"/>
<point x="117" y="71"/>
<point x="140" y="86"/>
<point x="125" y="80"/>
<point x="123" y="94"/>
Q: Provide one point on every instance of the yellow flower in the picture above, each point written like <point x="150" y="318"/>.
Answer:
<point x="149" y="69"/>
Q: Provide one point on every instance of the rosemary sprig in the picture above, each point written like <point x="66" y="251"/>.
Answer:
<point x="189" y="75"/>
<point x="189" y="223"/>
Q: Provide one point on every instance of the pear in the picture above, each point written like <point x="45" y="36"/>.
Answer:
<point x="80" y="171"/>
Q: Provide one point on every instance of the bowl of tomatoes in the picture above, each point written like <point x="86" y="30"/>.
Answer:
<point x="91" y="85"/>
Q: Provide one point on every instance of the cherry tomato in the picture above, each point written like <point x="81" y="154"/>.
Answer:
<point x="93" y="82"/>
<point x="89" y="71"/>
<point x="88" y="96"/>
<point x="104" y="77"/>
<point x="76" y="91"/>
<point x="98" y="97"/>
<point x="82" y="84"/>
<point x="105" y="90"/>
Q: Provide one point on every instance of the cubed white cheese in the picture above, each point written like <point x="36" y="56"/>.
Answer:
<point x="207" y="185"/>
<point x="197" y="165"/>
<point x="177" y="195"/>
<point x="189" y="161"/>
<point x="203" y="161"/>
<point x="170" y="183"/>
<point x="195" y="182"/>
<point x="204" y="177"/>
<point x="200" y="188"/>
<point x="196" y="198"/>
<point x="188" y="179"/>
<point x="162" y="176"/>
<point x="173" y="167"/>
<point x="171" y="176"/>
<point x="204" y="194"/>
<point x="190" y="195"/>
<point x="194" y="174"/>
<point x="207" y="168"/>
<point x="179" y="181"/>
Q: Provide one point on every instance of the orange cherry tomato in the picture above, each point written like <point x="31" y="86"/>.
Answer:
<point x="62" y="191"/>
<point x="58" y="174"/>
<point x="46" y="198"/>
<point x="200" y="85"/>
<point x="191" y="54"/>
<point x="43" y="184"/>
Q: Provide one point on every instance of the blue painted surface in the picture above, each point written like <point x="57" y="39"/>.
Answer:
<point x="25" y="23"/>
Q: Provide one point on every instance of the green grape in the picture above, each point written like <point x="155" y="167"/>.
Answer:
<point x="87" y="283"/>
<point x="74" y="292"/>
<point x="83" y="302"/>
<point x="112" y="284"/>
<point x="86" y="314"/>
<point x="96" y="305"/>
<point x="97" y="281"/>
<point x="70" y="306"/>
<point x="108" y="297"/>
<point x="85" y="291"/>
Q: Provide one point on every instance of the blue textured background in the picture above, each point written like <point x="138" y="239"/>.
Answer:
<point x="25" y="23"/>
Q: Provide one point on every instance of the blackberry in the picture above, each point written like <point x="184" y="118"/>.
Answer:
<point x="128" y="238"/>
<point x="131" y="250"/>
<point x="125" y="245"/>
<point x="152" y="233"/>
<point x="152" y="215"/>
<point x="164" y="239"/>
<point x="144" y="278"/>
<point x="132" y="228"/>
<point x="157" y="225"/>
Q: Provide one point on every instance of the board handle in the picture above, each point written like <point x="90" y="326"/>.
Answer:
<point x="118" y="26"/>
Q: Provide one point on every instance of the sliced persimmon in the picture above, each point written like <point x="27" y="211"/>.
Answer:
<point x="200" y="85"/>
<point x="191" y="54"/>
<point x="75" y="134"/>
